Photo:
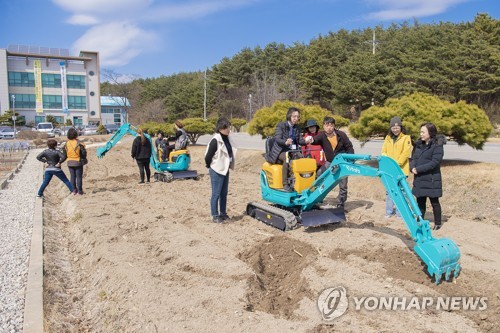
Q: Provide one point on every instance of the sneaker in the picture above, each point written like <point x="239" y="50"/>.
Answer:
<point x="224" y="217"/>
<point x="340" y="205"/>
<point x="437" y="226"/>
<point x="148" y="182"/>
<point x="217" y="219"/>
<point x="39" y="196"/>
<point x="141" y="182"/>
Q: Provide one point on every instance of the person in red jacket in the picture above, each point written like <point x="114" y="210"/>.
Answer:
<point x="316" y="152"/>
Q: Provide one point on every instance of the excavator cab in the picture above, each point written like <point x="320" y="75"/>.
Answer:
<point x="301" y="173"/>
<point x="174" y="155"/>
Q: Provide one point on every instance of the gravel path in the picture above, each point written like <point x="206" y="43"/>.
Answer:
<point x="17" y="203"/>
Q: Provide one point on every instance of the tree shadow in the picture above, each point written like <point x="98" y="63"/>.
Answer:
<point x="458" y="163"/>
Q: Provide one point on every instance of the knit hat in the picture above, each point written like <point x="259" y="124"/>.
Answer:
<point x="312" y="123"/>
<point x="396" y="121"/>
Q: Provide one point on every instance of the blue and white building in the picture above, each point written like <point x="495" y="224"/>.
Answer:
<point x="114" y="110"/>
<point x="37" y="82"/>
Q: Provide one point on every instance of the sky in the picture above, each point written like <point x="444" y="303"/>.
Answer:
<point x="148" y="38"/>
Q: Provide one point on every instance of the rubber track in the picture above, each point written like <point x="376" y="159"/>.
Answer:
<point x="288" y="217"/>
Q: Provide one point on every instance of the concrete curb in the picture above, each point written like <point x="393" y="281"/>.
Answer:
<point x="5" y="182"/>
<point x="33" y="302"/>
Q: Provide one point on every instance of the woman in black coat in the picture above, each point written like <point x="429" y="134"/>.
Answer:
<point x="141" y="152"/>
<point x="425" y="166"/>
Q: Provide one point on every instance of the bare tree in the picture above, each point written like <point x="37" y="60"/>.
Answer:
<point x="122" y="89"/>
<point x="150" y="111"/>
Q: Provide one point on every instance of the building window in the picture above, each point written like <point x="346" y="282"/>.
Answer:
<point x="52" y="102"/>
<point x="39" y="119"/>
<point x="24" y="101"/>
<point x="77" y="102"/>
<point x="117" y="118"/>
<point x="59" y="120"/>
<point x="77" y="121"/>
<point x="21" y="79"/>
<point x="51" y="80"/>
<point x="76" y="81"/>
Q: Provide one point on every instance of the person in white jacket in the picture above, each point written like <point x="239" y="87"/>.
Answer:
<point x="219" y="158"/>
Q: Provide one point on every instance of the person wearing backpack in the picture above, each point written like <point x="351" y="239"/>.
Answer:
<point x="180" y="138"/>
<point x="77" y="156"/>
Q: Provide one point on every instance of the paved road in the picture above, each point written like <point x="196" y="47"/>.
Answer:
<point x="452" y="151"/>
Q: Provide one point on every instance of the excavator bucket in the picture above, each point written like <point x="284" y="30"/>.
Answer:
<point x="441" y="257"/>
<point x="317" y="217"/>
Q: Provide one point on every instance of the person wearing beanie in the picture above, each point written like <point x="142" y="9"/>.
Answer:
<point x="316" y="152"/>
<point x="397" y="145"/>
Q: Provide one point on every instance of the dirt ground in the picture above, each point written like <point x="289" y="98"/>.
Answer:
<point x="146" y="258"/>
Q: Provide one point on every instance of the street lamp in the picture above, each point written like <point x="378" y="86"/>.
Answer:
<point x="250" y="107"/>
<point x="14" y="113"/>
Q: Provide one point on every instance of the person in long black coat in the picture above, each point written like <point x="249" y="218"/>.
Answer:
<point x="425" y="165"/>
<point x="141" y="152"/>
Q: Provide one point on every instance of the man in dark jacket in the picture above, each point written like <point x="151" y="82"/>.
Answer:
<point x="287" y="136"/>
<point x="333" y="142"/>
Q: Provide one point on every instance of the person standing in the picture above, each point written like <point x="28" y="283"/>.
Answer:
<point x="397" y="145"/>
<point x="54" y="158"/>
<point x="219" y="158"/>
<point x="73" y="150"/>
<point x="426" y="167"/>
<point x="287" y="136"/>
<point x="316" y="152"/>
<point x="333" y="142"/>
<point x="141" y="152"/>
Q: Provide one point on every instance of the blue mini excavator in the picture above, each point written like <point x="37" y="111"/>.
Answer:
<point x="287" y="210"/>
<point x="176" y="167"/>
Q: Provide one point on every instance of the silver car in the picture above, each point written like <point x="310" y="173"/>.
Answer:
<point x="7" y="133"/>
<point x="89" y="130"/>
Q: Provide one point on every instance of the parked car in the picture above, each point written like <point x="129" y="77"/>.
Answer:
<point x="89" y="130"/>
<point x="7" y="133"/>
<point x="45" y="128"/>
<point x="111" y="128"/>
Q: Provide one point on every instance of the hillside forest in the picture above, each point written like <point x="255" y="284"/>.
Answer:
<point x="345" y="72"/>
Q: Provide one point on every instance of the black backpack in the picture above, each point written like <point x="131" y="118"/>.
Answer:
<point x="83" y="152"/>
<point x="273" y="150"/>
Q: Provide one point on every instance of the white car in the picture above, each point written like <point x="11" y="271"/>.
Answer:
<point x="45" y="128"/>
<point x="7" y="133"/>
<point x="89" y="130"/>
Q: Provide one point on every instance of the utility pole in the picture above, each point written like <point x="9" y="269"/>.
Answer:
<point x="205" y="97"/>
<point x="249" y="107"/>
<point x="14" y="113"/>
